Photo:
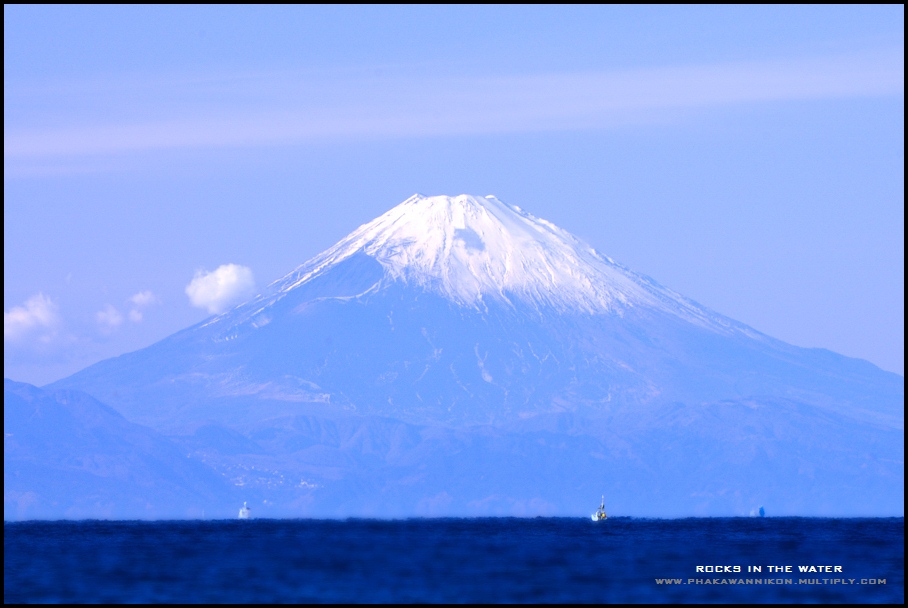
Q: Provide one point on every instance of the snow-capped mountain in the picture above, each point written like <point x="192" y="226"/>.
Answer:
<point x="447" y="336"/>
<point x="473" y="250"/>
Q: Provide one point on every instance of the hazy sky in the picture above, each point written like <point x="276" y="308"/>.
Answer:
<point x="750" y="158"/>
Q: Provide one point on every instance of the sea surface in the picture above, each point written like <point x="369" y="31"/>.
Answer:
<point x="454" y="560"/>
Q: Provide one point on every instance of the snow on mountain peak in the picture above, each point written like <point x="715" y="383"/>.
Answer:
<point x="472" y="249"/>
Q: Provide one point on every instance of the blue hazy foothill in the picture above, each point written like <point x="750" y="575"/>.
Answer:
<point x="458" y="356"/>
<point x="68" y="455"/>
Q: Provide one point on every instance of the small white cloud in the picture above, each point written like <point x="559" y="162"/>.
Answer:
<point x="143" y="298"/>
<point x="109" y="318"/>
<point x="219" y="290"/>
<point x="139" y="301"/>
<point x="38" y="316"/>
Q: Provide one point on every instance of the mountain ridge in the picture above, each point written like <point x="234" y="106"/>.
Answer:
<point x="66" y="454"/>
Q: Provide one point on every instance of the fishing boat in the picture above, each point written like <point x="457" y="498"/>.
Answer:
<point x="245" y="512"/>
<point x="600" y="515"/>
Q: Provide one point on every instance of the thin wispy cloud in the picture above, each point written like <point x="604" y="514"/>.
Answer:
<point x="281" y="108"/>
<point x="140" y="301"/>
<point x="108" y="318"/>
<point x="222" y="288"/>
<point x="143" y="298"/>
<point x="36" y="319"/>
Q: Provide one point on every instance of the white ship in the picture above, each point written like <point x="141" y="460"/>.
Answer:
<point x="600" y="515"/>
<point x="245" y="512"/>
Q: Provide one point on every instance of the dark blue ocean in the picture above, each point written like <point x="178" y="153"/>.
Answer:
<point x="454" y="560"/>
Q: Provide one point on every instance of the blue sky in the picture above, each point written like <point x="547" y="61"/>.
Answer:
<point x="750" y="158"/>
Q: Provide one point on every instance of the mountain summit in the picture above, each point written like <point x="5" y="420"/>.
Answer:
<point x="472" y="250"/>
<point x="468" y="249"/>
<point x="458" y="355"/>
